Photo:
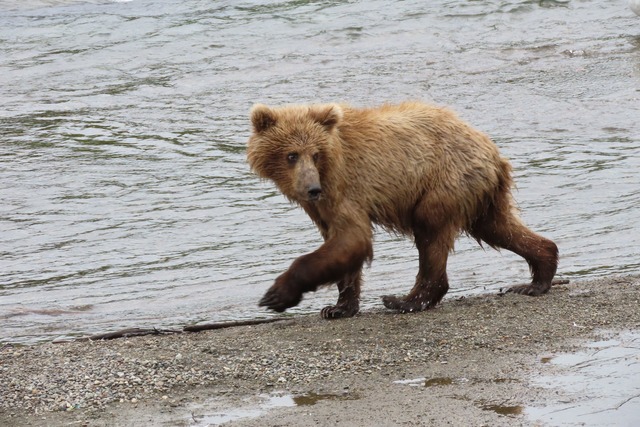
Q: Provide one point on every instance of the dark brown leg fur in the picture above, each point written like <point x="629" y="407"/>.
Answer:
<point x="337" y="259"/>
<point x="500" y="228"/>
<point x="434" y="241"/>
<point x="348" y="303"/>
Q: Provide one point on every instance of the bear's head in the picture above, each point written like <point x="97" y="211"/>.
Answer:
<point x="296" y="147"/>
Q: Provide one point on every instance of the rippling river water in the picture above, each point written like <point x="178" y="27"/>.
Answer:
<point x="125" y="198"/>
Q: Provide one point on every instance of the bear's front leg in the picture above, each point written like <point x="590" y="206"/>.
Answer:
<point x="434" y="240"/>
<point x="335" y="259"/>
<point x="348" y="303"/>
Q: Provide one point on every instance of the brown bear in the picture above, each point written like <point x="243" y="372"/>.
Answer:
<point x="411" y="168"/>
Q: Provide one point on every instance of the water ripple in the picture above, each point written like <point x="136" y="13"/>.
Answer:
<point x="123" y="179"/>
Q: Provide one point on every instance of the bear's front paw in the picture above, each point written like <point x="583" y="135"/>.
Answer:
<point x="339" y="311"/>
<point x="279" y="299"/>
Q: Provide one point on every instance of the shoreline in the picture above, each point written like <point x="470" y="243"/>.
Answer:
<point x="473" y="359"/>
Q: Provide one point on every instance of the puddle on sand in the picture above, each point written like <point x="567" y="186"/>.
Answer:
<point x="431" y="382"/>
<point x="434" y="382"/>
<point x="444" y="381"/>
<point x="599" y="386"/>
<point x="506" y="410"/>
<point x="272" y="401"/>
<point x="200" y="418"/>
<point x="310" y="399"/>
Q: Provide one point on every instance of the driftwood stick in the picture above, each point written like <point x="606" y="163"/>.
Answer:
<point x="125" y="333"/>
<point x="138" y="332"/>
<point x="133" y="332"/>
<point x="222" y="325"/>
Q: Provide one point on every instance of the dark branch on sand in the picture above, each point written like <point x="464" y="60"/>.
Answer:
<point x="131" y="332"/>
<point x="222" y="325"/>
<point x="138" y="332"/>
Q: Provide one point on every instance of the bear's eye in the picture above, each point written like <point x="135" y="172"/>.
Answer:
<point x="292" y="157"/>
<point x="316" y="156"/>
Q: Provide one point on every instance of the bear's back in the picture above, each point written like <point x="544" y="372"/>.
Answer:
<point x="395" y="154"/>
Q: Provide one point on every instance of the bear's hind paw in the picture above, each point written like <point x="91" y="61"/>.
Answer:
<point x="404" y="306"/>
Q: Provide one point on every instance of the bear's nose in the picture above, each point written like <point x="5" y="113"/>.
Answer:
<point x="314" y="192"/>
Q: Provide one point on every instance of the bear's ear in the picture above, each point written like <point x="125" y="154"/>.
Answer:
<point x="262" y="118"/>
<point x="327" y="115"/>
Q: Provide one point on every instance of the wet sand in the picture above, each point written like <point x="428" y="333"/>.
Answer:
<point x="471" y="361"/>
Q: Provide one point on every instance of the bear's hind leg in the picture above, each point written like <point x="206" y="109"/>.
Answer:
<point x="434" y="244"/>
<point x="348" y="303"/>
<point x="501" y="228"/>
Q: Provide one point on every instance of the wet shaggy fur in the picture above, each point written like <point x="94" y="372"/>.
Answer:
<point x="413" y="169"/>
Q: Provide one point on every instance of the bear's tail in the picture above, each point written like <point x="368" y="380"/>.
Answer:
<point x="503" y="198"/>
<point x="505" y="181"/>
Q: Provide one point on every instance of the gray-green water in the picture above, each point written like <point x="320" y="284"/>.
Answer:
<point x="125" y="199"/>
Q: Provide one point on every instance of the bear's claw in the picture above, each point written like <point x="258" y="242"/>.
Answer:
<point x="338" y="312"/>
<point x="275" y="301"/>
<point x="271" y="303"/>
<point x="533" y="290"/>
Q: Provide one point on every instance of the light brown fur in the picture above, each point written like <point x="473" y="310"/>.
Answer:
<point x="413" y="169"/>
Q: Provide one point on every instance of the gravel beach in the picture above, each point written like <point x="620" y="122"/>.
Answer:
<point x="469" y="361"/>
